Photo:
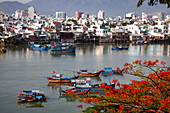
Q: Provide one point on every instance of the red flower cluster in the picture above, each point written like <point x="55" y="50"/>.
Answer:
<point x="152" y="94"/>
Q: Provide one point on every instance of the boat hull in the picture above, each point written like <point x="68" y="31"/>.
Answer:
<point x="60" y="80"/>
<point x="88" y="74"/>
<point x="67" y="50"/>
<point x="122" y="48"/>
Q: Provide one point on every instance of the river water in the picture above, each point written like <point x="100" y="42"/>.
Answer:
<point x="22" y="68"/>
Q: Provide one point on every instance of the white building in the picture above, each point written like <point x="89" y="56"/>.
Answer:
<point x="134" y="29"/>
<point x="162" y="27"/>
<point x="60" y="16"/>
<point x="101" y="14"/>
<point x="131" y="15"/>
<point x="31" y="12"/>
<point x="102" y="31"/>
<point x="17" y="14"/>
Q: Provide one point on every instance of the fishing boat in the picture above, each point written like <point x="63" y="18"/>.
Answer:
<point x="59" y="79"/>
<point x="118" y="47"/>
<point x="85" y="83"/>
<point x="85" y="73"/>
<point x="74" y="91"/>
<point x="31" y="95"/>
<point x="39" y="47"/>
<point x="63" y="48"/>
<point x="2" y="50"/>
<point x="110" y="71"/>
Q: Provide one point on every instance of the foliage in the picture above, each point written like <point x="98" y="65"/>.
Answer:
<point x="112" y="25"/>
<point x="124" y="24"/>
<point x="151" y="94"/>
<point x="1" y="29"/>
<point x="87" y="24"/>
<point x="154" y="2"/>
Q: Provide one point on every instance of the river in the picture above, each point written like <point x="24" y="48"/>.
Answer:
<point x="22" y="68"/>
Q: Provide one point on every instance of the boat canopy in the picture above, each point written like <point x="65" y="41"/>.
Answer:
<point x="107" y="69"/>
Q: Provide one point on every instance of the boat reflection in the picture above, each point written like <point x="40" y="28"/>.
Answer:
<point x="32" y="104"/>
<point x="64" y="54"/>
<point x="58" y="84"/>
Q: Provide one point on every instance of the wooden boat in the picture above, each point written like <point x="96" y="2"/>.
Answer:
<point x="59" y="79"/>
<point x="86" y="84"/>
<point x="31" y="95"/>
<point x="2" y="50"/>
<point x="120" y="48"/>
<point x="63" y="48"/>
<point x="110" y="71"/>
<point x="39" y="47"/>
<point x="85" y="73"/>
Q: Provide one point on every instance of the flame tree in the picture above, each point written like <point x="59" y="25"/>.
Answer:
<point x="150" y="94"/>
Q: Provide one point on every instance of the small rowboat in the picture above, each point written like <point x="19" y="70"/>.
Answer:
<point x="85" y="73"/>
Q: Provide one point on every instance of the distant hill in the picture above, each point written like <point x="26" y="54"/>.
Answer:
<point x="10" y="7"/>
<point x="111" y="8"/>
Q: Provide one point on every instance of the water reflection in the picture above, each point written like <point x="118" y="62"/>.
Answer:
<point x="64" y="54"/>
<point x="150" y="50"/>
<point x="102" y="49"/>
<point x="32" y="104"/>
<point x="98" y="50"/>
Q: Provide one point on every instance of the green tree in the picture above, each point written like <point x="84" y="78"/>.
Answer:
<point x="154" y="2"/>
<point x="124" y="24"/>
<point x="112" y="25"/>
<point x="1" y="29"/>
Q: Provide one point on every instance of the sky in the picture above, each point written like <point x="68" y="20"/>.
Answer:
<point x="22" y="1"/>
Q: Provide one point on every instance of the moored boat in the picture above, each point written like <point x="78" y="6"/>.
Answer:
<point x="118" y="47"/>
<point x="39" y="47"/>
<point x="85" y="73"/>
<point x="2" y="50"/>
<point x="63" y="48"/>
<point x="31" y="95"/>
<point x="59" y="79"/>
<point x="110" y="71"/>
<point x="86" y="84"/>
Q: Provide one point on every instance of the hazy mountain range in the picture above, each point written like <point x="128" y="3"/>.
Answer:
<point x="112" y="8"/>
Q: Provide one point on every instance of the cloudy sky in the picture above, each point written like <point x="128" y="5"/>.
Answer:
<point x="22" y="1"/>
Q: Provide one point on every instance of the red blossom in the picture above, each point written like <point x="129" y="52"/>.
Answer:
<point x="80" y="106"/>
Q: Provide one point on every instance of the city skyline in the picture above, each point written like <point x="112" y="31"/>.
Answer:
<point x="112" y="8"/>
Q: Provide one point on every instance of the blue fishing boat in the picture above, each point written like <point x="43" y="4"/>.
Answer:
<point x="110" y="71"/>
<point x="63" y="48"/>
<point x="31" y="95"/>
<point x="39" y="47"/>
<point x="118" y="47"/>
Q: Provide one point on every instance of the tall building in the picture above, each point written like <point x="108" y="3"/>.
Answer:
<point x="31" y="12"/>
<point x="78" y="14"/>
<point x="61" y="15"/>
<point x="1" y="16"/>
<point x="17" y="14"/>
<point x="101" y="14"/>
<point x="24" y="14"/>
<point x="161" y="16"/>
